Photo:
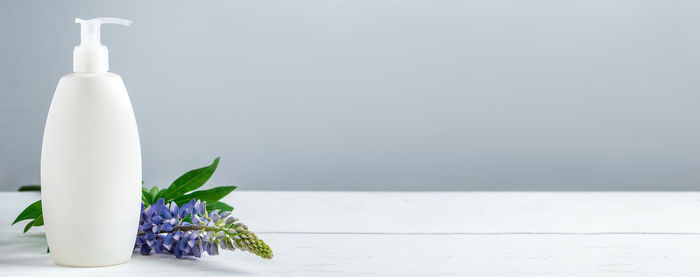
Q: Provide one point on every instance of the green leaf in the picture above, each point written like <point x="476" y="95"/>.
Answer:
<point x="190" y="181"/>
<point x="48" y="250"/>
<point x="39" y="221"/>
<point x="210" y="195"/>
<point x="146" y="196"/>
<point x="31" y="212"/>
<point x="30" y="188"/>
<point x="30" y="224"/>
<point x="219" y="206"/>
<point x="154" y="194"/>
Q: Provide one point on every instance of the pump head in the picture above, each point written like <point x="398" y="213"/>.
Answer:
<point x="91" y="55"/>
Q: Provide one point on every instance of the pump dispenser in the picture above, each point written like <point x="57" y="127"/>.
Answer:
<point x="91" y="55"/>
<point x="91" y="160"/>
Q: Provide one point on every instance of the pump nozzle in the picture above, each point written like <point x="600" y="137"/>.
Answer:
<point x="91" y="55"/>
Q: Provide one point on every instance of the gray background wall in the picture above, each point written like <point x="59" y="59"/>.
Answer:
<point x="381" y="95"/>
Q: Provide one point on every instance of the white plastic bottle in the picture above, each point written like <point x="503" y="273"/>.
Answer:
<point x="91" y="161"/>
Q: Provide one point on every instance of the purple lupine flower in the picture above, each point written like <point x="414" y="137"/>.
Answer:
<point x="200" y="207"/>
<point x="164" y="228"/>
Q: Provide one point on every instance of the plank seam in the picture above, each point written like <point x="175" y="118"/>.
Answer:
<point x="483" y="233"/>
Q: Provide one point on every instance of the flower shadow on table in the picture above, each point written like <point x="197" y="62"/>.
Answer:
<point x="20" y="254"/>
<point x="205" y="265"/>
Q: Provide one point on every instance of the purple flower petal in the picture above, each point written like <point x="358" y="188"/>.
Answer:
<point x="157" y="219"/>
<point x="166" y="227"/>
<point x="198" y="207"/>
<point x="165" y="213"/>
<point x="160" y="203"/>
<point x="182" y="244"/>
<point x="214" y="216"/>
<point x="158" y="245"/>
<point x="197" y="252"/>
<point x="146" y="226"/>
<point x="145" y="250"/>
<point x="190" y="242"/>
<point x="168" y="239"/>
<point x="185" y="210"/>
<point x="139" y="241"/>
<point x="148" y="211"/>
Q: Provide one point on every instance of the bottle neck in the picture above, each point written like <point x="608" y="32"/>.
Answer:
<point x="93" y="59"/>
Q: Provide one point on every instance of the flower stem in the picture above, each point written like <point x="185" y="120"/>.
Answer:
<point x="242" y="238"/>
<point x="187" y="228"/>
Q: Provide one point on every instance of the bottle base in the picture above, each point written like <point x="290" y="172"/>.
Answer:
<point x="105" y="264"/>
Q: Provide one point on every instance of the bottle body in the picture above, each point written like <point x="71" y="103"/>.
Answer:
<point x="91" y="171"/>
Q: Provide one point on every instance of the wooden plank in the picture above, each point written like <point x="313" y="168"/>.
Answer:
<point x="450" y="212"/>
<point x="469" y="212"/>
<point x="400" y="255"/>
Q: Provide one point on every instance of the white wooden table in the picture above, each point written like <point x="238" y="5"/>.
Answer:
<point x="421" y="234"/>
